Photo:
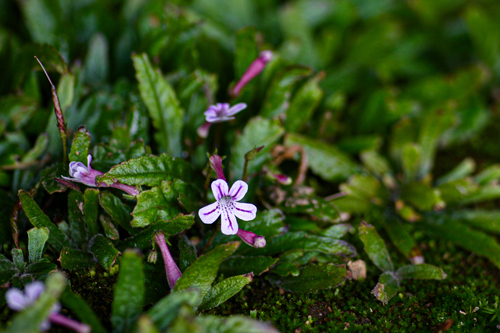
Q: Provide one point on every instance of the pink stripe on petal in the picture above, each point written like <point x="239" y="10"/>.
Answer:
<point x="245" y="211"/>
<point x="210" y="213"/>
<point x="219" y="188"/>
<point x="229" y="225"/>
<point x="238" y="190"/>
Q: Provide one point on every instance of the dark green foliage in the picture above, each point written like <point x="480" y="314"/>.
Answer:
<point x="390" y="103"/>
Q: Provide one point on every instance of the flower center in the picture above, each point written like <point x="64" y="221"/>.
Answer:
<point x="226" y="201"/>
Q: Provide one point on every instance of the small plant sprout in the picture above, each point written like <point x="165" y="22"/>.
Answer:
<point x="171" y="268"/>
<point x="252" y="71"/>
<point x="221" y="112"/>
<point x="18" y="301"/>
<point x="86" y="175"/>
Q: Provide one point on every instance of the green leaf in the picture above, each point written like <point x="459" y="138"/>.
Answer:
<point x="420" y="195"/>
<point x="484" y="193"/>
<point x="324" y="159"/>
<point x="286" y="269"/>
<point x="224" y="290"/>
<point x="400" y="236"/>
<point x="159" y="203"/>
<point x="267" y="223"/>
<point x="464" y="236"/>
<point x="313" y="278"/>
<point x="304" y="103"/>
<point x="278" y="95"/>
<point x="76" y="259"/>
<point x="166" y="310"/>
<point x="129" y="292"/>
<point x="375" y="247"/>
<point x="488" y="175"/>
<point x="29" y="320"/>
<point x="311" y="205"/>
<point x="386" y="287"/>
<point x="91" y="210"/>
<point x="479" y="218"/>
<point x="410" y="160"/>
<point x="80" y="146"/>
<point x="246" y="49"/>
<point x="337" y="230"/>
<point x="375" y="163"/>
<point x="104" y="251"/>
<point x="172" y="227"/>
<point x="38" y="149"/>
<point x="82" y="310"/>
<point x="7" y="270"/>
<point x="187" y="253"/>
<point x="18" y="258"/>
<point x="162" y="104"/>
<point x="422" y="271"/>
<point x="203" y="271"/>
<point x="146" y="325"/>
<point x="49" y="175"/>
<point x="119" y="212"/>
<point x="96" y="67"/>
<point x="462" y="170"/>
<point x="233" y="324"/>
<point x="57" y="238"/>
<point x="66" y="90"/>
<point x="258" y="132"/>
<point x="301" y="240"/>
<point x="236" y="265"/>
<point x="109" y="228"/>
<point x="76" y="218"/>
<point x="37" y="237"/>
<point x="434" y="124"/>
<point x="39" y="269"/>
<point x="149" y="171"/>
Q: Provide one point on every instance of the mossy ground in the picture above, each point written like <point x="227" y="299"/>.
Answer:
<point x="456" y="304"/>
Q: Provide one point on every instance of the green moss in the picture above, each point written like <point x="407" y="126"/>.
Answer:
<point x="420" y="305"/>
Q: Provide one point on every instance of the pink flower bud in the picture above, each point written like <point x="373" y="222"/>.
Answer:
<point x="253" y="70"/>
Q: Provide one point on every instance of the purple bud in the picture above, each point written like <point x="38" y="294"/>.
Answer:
<point x="216" y="165"/>
<point x="203" y="130"/>
<point x="253" y="70"/>
<point x="173" y="272"/>
<point x="251" y="239"/>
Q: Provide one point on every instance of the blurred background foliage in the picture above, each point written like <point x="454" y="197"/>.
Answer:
<point x="386" y="99"/>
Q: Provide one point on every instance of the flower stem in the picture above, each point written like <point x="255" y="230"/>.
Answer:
<point x="59" y="115"/>
<point x="171" y="269"/>
<point x="208" y="243"/>
<point x="76" y="326"/>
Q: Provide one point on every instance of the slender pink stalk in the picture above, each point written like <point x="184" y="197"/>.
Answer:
<point x="132" y="190"/>
<point x="253" y="70"/>
<point x="76" y="326"/>
<point x="173" y="272"/>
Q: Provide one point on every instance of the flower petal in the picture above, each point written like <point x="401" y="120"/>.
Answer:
<point x="77" y="169"/>
<point x="229" y="224"/>
<point x="16" y="299"/>
<point x="33" y="291"/>
<point x="244" y="211"/>
<point x="219" y="188"/>
<point x="210" y="213"/>
<point x="89" y="161"/>
<point x="235" y="109"/>
<point x="238" y="190"/>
